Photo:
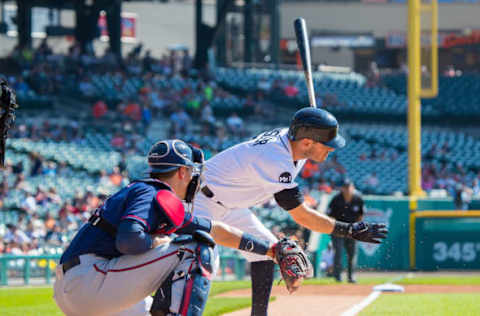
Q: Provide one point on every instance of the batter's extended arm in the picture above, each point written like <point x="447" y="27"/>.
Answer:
<point x="362" y="231"/>
<point x="232" y="237"/>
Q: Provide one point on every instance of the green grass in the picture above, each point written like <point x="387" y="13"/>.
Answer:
<point x="38" y="301"/>
<point x="217" y="306"/>
<point x="360" y="280"/>
<point x="222" y="287"/>
<point x="442" y="280"/>
<point x="31" y="301"/>
<point x="424" y="304"/>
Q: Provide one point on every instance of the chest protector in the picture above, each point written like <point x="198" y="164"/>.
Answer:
<point x="170" y="208"/>
<point x="172" y="211"/>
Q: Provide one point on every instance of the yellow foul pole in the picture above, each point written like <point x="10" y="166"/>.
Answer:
<point x="414" y="116"/>
<point x="415" y="91"/>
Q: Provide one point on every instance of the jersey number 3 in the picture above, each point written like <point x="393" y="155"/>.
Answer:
<point x="265" y="137"/>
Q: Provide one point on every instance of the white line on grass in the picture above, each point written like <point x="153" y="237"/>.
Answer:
<point x="355" y="309"/>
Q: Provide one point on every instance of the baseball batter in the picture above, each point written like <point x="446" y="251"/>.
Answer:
<point x="263" y="168"/>
<point x="123" y="254"/>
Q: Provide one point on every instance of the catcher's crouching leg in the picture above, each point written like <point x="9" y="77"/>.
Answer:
<point x="186" y="289"/>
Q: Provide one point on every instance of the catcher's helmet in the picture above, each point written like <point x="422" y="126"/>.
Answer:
<point x="316" y="124"/>
<point x="168" y="155"/>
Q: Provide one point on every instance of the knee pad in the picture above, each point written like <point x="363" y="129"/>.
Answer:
<point x="186" y="289"/>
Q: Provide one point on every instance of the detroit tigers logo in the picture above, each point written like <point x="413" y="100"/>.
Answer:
<point x="285" y="177"/>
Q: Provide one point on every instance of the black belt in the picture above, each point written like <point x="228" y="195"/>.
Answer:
<point x="209" y="194"/>
<point x="99" y="222"/>
<point x="75" y="261"/>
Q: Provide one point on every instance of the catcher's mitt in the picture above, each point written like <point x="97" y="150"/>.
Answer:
<point x="8" y="104"/>
<point x="293" y="262"/>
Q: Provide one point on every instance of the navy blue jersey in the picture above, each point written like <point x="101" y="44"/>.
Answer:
<point x="134" y="202"/>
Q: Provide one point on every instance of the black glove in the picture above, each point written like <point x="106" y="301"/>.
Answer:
<point x="372" y="233"/>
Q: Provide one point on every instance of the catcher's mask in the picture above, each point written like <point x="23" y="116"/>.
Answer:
<point x="169" y="155"/>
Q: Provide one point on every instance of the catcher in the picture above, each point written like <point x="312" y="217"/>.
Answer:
<point x="8" y="104"/>
<point x="124" y="252"/>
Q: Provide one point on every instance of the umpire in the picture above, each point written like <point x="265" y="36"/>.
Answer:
<point x="346" y="206"/>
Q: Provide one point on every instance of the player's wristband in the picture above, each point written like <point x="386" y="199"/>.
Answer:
<point x="342" y="229"/>
<point x="252" y="244"/>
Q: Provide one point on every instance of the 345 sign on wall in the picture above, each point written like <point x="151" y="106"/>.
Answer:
<point x="448" y="243"/>
<point x="457" y="251"/>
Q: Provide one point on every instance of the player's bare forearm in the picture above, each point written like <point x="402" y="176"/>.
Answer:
<point x="230" y="237"/>
<point x="311" y="219"/>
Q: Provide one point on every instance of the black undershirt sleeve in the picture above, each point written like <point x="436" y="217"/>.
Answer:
<point x="289" y="199"/>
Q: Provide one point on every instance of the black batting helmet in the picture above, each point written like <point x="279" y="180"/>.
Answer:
<point x="318" y="125"/>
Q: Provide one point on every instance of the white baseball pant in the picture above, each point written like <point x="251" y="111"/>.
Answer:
<point x="120" y="286"/>
<point x="241" y="218"/>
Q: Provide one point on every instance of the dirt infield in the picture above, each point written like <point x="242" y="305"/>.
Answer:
<point x="333" y="299"/>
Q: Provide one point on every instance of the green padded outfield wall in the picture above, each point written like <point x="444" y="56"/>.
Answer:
<point x="393" y="254"/>
<point x="447" y="243"/>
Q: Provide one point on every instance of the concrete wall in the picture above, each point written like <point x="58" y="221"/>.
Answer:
<point x="338" y="57"/>
<point x="377" y="18"/>
<point x="158" y="26"/>
<point x="163" y="24"/>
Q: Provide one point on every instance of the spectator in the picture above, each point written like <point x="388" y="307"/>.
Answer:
<point x="53" y="196"/>
<point x="99" y="109"/>
<point x="186" y="62"/>
<point x="49" y="223"/>
<point x="21" y="87"/>
<point x="66" y="221"/>
<point x="463" y="197"/>
<point x="309" y="170"/>
<point x="146" y="116"/>
<point x="122" y="165"/>
<point x="32" y="232"/>
<point x="207" y="115"/>
<point x="104" y="180"/>
<point x="2" y="247"/>
<point x="291" y="90"/>
<point x="180" y="122"/>
<point x="235" y="124"/>
<point x="476" y="188"/>
<point x="371" y="182"/>
<point x="133" y="111"/>
<point x="86" y="87"/>
<point x="29" y="204"/>
<point x="15" y="235"/>
<point x="37" y="162"/>
<point x="116" y="177"/>
<point x="50" y="169"/>
<point x="118" y="141"/>
<point x="41" y="198"/>
<point x="54" y="236"/>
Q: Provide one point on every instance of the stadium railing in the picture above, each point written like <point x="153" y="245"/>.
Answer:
<point x="27" y="267"/>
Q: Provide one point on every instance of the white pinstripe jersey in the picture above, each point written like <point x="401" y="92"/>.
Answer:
<point x="249" y="173"/>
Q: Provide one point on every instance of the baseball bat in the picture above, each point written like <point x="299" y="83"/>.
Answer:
<point x="304" y="49"/>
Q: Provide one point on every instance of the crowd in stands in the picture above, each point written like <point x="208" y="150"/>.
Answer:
<point x="125" y="96"/>
<point x="135" y="89"/>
